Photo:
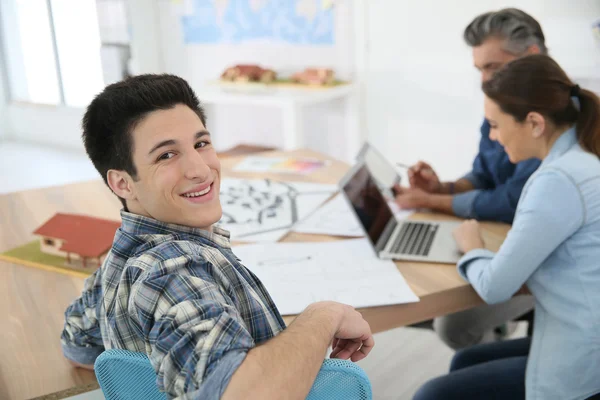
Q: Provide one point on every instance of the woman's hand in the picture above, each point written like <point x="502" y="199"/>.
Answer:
<point x="468" y="236"/>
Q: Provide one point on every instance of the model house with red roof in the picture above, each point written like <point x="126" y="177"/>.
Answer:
<point x="78" y="238"/>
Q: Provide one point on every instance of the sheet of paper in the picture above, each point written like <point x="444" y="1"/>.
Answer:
<point x="334" y="218"/>
<point x="400" y="213"/>
<point x="280" y="165"/>
<point x="347" y="271"/>
<point x="265" y="210"/>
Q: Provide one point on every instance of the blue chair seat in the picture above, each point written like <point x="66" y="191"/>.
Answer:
<point x="126" y="375"/>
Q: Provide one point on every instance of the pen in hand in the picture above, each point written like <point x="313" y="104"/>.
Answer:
<point x="412" y="168"/>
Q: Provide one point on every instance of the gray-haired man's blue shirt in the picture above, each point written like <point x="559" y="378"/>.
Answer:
<point x="498" y="183"/>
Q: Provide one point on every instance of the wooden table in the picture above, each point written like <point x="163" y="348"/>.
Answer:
<point x="33" y="301"/>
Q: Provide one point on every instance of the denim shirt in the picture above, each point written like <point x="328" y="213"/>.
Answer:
<point x="553" y="247"/>
<point x="498" y="183"/>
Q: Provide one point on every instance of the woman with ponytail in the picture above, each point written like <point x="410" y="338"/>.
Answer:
<point x="552" y="250"/>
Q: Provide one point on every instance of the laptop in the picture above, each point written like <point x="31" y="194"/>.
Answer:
<point x="414" y="240"/>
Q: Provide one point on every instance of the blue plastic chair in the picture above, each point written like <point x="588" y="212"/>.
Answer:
<point x="125" y="375"/>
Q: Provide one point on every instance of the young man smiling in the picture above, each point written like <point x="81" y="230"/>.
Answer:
<point x="171" y="286"/>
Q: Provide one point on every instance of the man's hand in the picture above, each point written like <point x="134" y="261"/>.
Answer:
<point x="292" y="359"/>
<point x="409" y="198"/>
<point x="468" y="236"/>
<point x="422" y="176"/>
<point x="353" y="339"/>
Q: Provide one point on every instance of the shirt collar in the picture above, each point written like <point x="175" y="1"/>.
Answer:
<point x="135" y="224"/>
<point x="564" y="142"/>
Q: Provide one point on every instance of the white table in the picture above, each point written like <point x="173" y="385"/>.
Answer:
<point x="289" y="99"/>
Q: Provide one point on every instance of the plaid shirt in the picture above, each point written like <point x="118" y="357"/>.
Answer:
<point x="181" y="296"/>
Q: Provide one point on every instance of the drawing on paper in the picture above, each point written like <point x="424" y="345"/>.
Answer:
<point x="266" y="209"/>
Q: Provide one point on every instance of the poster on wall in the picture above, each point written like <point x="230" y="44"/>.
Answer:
<point x="295" y="22"/>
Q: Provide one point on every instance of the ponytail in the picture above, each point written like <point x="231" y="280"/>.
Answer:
<point x="537" y="83"/>
<point x="588" y="121"/>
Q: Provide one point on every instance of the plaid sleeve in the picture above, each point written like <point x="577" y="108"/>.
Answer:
<point x="196" y="335"/>
<point x="81" y="339"/>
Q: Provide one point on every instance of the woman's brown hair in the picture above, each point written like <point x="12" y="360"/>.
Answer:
<point x="537" y="83"/>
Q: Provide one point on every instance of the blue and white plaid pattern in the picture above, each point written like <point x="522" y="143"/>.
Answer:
<point x="181" y="296"/>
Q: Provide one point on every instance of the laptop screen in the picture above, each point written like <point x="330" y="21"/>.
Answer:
<point x="370" y="206"/>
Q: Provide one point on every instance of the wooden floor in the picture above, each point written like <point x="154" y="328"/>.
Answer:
<point x="402" y="359"/>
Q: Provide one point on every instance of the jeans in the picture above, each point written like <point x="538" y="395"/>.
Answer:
<point x="486" y="371"/>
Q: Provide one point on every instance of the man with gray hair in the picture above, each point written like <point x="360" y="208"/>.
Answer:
<point x="508" y="33"/>
<point x="493" y="187"/>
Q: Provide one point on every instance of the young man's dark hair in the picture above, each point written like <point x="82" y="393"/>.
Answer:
<point x="114" y="113"/>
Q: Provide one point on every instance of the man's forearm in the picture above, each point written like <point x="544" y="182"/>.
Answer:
<point x="460" y="186"/>
<point x="286" y="366"/>
<point x="440" y="202"/>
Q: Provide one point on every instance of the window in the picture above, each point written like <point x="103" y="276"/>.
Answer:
<point x="55" y="53"/>
<point x="48" y="242"/>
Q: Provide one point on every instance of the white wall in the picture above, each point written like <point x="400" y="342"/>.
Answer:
<point x="4" y="125"/>
<point x="48" y="125"/>
<point x="422" y="96"/>
<point x="157" y="46"/>
<point x="145" y="37"/>
<point x="420" y="93"/>
<point x="201" y="64"/>
<point x="4" y="95"/>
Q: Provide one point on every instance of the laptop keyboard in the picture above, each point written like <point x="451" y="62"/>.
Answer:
<point x="415" y="238"/>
